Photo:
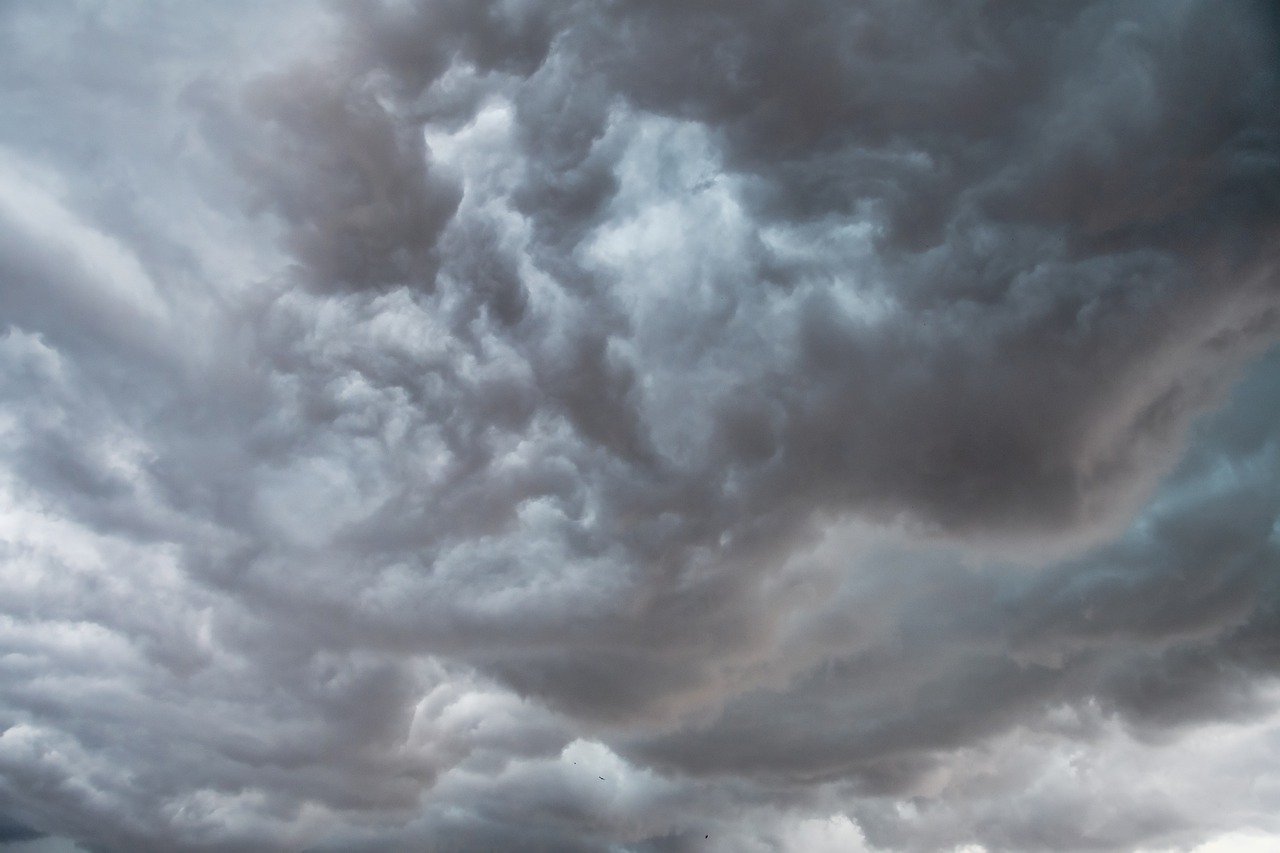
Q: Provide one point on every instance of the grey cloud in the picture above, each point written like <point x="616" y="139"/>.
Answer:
<point x="801" y="418"/>
<point x="1168" y="627"/>
<point x="361" y="205"/>
<point x="11" y="830"/>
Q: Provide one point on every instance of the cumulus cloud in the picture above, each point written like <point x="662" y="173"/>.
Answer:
<point x="535" y="424"/>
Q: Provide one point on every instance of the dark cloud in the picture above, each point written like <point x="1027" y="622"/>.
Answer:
<point x="647" y="426"/>
<point x="353" y="186"/>
<point x="11" y="831"/>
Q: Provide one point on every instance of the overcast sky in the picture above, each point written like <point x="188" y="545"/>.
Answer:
<point x="640" y="425"/>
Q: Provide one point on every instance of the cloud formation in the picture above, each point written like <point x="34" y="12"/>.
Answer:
<point x="536" y="424"/>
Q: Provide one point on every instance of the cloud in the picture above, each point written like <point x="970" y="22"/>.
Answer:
<point x="657" y="426"/>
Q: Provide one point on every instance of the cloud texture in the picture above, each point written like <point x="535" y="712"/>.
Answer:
<point x="550" y="425"/>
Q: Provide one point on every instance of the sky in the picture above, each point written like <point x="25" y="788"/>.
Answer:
<point x="640" y="425"/>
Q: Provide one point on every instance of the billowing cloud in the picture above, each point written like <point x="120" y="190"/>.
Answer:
<point x="639" y="425"/>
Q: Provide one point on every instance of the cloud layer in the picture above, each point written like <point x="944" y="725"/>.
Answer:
<point x="640" y="425"/>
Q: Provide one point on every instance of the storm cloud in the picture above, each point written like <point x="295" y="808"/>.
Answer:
<point x="640" y="425"/>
